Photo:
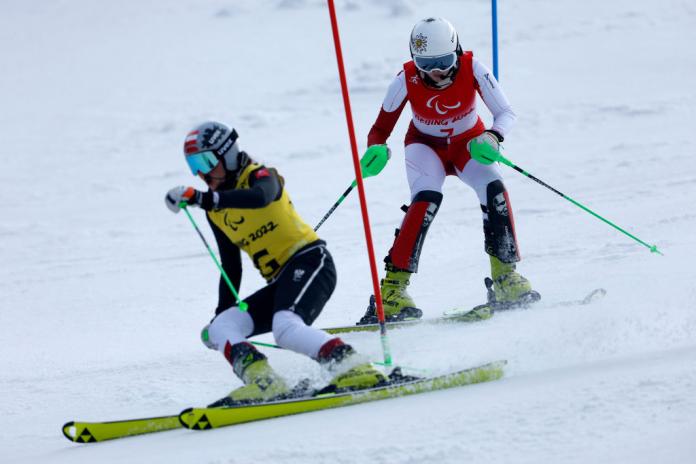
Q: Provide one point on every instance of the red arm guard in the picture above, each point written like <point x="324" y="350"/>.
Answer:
<point x="384" y="125"/>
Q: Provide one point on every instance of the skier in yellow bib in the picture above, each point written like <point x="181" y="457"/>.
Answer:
<point x="249" y="210"/>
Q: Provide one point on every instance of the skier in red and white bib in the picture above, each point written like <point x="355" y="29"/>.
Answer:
<point x="441" y="83"/>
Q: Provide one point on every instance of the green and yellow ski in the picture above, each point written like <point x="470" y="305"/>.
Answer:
<point x="466" y="315"/>
<point x="479" y="313"/>
<point x="210" y="418"/>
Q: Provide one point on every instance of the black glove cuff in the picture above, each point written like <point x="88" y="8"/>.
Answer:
<point x="496" y="134"/>
<point x="205" y="200"/>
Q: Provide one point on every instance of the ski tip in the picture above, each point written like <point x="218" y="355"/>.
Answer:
<point x="495" y="369"/>
<point x="493" y="365"/>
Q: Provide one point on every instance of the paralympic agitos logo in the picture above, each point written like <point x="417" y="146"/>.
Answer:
<point x="438" y="107"/>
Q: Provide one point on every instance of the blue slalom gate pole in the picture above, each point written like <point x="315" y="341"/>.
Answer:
<point x="494" y="19"/>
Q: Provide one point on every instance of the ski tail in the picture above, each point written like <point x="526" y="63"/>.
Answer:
<point x="92" y="432"/>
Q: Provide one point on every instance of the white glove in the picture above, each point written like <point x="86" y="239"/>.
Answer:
<point x="180" y="194"/>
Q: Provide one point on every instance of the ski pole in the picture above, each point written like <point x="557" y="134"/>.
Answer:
<point x="242" y="305"/>
<point x="485" y="153"/>
<point x="371" y="164"/>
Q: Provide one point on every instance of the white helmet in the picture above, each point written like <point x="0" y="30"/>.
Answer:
<point x="435" y="45"/>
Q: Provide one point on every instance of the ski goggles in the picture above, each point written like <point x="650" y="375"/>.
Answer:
<point x="431" y="63"/>
<point x="205" y="161"/>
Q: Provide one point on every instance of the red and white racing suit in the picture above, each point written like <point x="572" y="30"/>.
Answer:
<point x="443" y="121"/>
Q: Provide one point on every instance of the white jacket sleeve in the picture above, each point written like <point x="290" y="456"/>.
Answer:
<point x="396" y="94"/>
<point x="494" y="98"/>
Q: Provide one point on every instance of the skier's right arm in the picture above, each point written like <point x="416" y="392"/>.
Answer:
<point x="231" y="261"/>
<point x="265" y="186"/>
<point x="389" y="113"/>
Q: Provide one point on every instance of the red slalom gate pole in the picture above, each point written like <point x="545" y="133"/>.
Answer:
<point x="361" y="188"/>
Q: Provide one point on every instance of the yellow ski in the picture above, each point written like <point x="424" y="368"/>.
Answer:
<point x="209" y="418"/>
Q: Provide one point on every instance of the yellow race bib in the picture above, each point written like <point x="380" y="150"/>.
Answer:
<point x="269" y="235"/>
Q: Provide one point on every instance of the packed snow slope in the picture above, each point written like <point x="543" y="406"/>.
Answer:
<point x="104" y="291"/>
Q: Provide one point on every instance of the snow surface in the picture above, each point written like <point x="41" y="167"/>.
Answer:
<point x="103" y="291"/>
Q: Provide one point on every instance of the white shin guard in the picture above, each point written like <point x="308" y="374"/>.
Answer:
<point x="292" y="333"/>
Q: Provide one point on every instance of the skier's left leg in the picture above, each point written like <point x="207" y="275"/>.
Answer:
<point x="509" y="286"/>
<point x="425" y="175"/>
<point x="228" y="333"/>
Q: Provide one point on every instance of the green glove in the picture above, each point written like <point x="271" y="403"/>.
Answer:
<point x="373" y="161"/>
<point x="485" y="148"/>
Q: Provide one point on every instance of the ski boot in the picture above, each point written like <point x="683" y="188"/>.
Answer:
<point x="508" y="289"/>
<point x="350" y="370"/>
<point x="398" y="305"/>
<point x="261" y="383"/>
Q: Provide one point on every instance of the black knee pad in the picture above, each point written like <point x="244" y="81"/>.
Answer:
<point x="499" y="224"/>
